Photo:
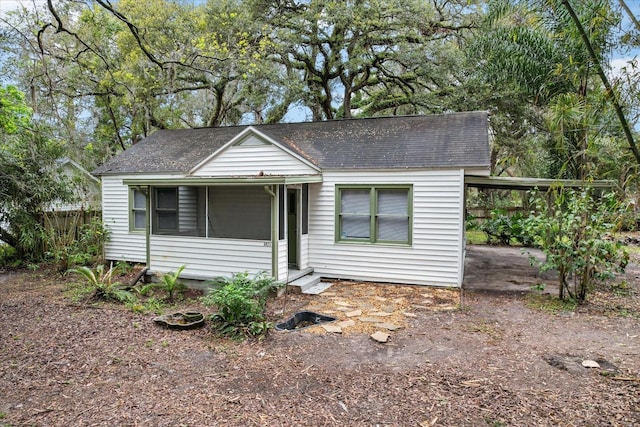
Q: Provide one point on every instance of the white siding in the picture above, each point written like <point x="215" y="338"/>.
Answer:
<point x="206" y="258"/>
<point x="304" y="251"/>
<point x="122" y="244"/>
<point x="249" y="160"/>
<point x="283" y="260"/>
<point x="434" y="255"/>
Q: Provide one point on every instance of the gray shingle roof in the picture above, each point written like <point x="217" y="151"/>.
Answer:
<point x="435" y="141"/>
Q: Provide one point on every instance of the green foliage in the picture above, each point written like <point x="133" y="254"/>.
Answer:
<point x="28" y="179"/>
<point x="150" y="305"/>
<point x="240" y="302"/>
<point x="170" y="283"/>
<point x="572" y="231"/>
<point x="549" y="304"/>
<point x="73" y="245"/>
<point x="100" y="281"/>
<point x="503" y="229"/>
<point x="14" y="113"/>
<point x="8" y="256"/>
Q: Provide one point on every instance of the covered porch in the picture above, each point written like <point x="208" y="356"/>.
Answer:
<point x="221" y="226"/>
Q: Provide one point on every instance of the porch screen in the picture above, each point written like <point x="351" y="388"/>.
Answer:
<point x="239" y="212"/>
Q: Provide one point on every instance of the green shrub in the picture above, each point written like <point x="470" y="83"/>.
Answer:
<point x="506" y="229"/>
<point x="68" y="247"/>
<point x="101" y="283"/>
<point x="240" y="302"/>
<point x="9" y="256"/>
<point x="572" y="231"/>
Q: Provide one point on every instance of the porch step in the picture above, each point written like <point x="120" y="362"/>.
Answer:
<point x="310" y="284"/>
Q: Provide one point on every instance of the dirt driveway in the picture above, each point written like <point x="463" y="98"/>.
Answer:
<point x="498" y="361"/>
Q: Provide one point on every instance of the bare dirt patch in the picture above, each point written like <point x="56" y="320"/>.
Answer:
<point x="496" y="361"/>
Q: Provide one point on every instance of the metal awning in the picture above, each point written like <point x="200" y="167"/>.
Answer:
<point x="524" y="184"/>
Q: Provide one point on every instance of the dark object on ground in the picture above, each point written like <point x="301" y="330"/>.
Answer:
<point x="303" y="319"/>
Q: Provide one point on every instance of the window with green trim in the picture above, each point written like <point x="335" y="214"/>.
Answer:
<point x="165" y="210"/>
<point x="137" y="210"/>
<point x="373" y="214"/>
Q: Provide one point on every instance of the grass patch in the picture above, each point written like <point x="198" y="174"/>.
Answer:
<point x="476" y="237"/>
<point x="77" y="292"/>
<point x="550" y="304"/>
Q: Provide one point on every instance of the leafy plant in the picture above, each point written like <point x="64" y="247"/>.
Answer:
<point x="240" y="302"/>
<point x="572" y="231"/>
<point x="168" y="282"/>
<point x="101" y="283"/>
<point x="502" y="228"/>
<point x="71" y="244"/>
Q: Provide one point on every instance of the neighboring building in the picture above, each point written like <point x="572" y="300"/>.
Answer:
<point x="378" y="199"/>
<point x="85" y="188"/>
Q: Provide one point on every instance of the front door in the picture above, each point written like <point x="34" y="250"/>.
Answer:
<point x="292" y="227"/>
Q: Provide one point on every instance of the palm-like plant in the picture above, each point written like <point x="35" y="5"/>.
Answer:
<point x="102" y="283"/>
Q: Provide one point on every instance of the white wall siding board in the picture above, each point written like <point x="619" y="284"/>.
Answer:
<point x="434" y="255"/>
<point x="206" y="258"/>
<point x="122" y="244"/>
<point x="283" y="260"/>
<point x="304" y="251"/>
<point x="248" y="160"/>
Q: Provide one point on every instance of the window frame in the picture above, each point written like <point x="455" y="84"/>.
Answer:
<point x="373" y="214"/>
<point x="133" y="209"/>
<point x="156" y="221"/>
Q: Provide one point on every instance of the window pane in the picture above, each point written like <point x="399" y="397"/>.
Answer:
<point x="354" y="201"/>
<point x="139" y="200"/>
<point x="166" y="198"/>
<point x="393" y="228"/>
<point x="393" y="202"/>
<point x="167" y="220"/>
<point x="355" y="227"/>
<point x="139" y="219"/>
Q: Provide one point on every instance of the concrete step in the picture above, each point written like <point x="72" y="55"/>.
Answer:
<point x="309" y="284"/>
<point x="318" y="288"/>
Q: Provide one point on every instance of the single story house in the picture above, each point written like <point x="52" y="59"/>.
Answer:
<point x="378" y="199"/>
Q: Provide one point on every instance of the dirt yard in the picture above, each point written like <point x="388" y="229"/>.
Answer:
<point x="499" y="360"/>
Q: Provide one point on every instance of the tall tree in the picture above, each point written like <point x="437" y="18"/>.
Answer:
<point x="369" y="57"/>
<point x="28" y="179"/>
<point x="535" y="48"/>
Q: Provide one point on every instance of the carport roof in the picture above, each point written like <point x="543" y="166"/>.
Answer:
<point x="516" y="183"/>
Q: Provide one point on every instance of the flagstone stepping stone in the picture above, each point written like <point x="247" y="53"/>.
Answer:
<point x="389" y="326"/>
<point x="380" y="314"/>
<point x="332" y="329"/>
<point x="380" y="336"/>
<point x="343" y="303"/>
<point x="369" y="319"/>
<point x="346" y="323"/>
<point x="353" y="313"/>
<point x="409" y="314"/>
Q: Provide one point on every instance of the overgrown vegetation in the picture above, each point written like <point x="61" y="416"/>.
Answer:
<point x="102" y="284"/>
<point x="505" y="229"/>
<point x="573" y="232"/>
<point x="240" y="302"/>
<point x="75" y="245"/>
